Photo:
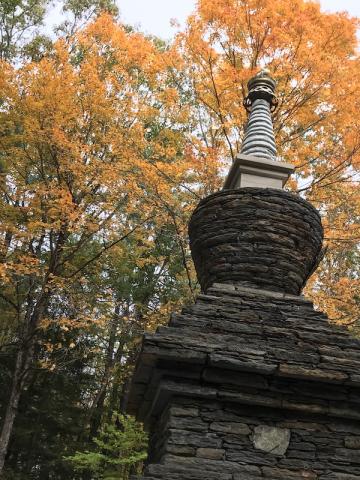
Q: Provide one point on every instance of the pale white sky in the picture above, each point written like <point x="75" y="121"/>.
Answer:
<point x="154" y="16"/>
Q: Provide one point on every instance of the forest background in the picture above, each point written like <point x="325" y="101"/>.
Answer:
<point x="108" y="139"/>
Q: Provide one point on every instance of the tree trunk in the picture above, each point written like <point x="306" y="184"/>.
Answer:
<point x="34" y="314"/>
<point x="13" y="404"/>
<point x="97" y="408"/>
<point x="24" y="359"/>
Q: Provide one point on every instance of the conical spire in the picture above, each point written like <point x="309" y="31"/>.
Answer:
<point x="259" y="138"/>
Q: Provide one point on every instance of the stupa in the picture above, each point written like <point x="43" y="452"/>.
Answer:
<point x="251" y="382"/>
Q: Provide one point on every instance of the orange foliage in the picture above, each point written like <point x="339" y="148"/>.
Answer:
<point x="79" y="155"/>
<point x="93" y="141"/>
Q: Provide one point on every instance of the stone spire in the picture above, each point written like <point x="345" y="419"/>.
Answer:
<point x="259" y="138"/>
<point x="257" y="165"/>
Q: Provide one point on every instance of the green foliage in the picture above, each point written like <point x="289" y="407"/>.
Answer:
<point x="51" y="418"/>
<point x="21" y="21"/>
<point x="80" y="7"/>
<point x="120" y="445"/>
<point x="37" y="48"/>
<point x="17" y="19"/>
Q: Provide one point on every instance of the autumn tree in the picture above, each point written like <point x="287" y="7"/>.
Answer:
<point x="92" y="145"/>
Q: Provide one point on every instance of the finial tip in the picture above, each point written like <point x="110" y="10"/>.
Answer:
<point x="265" y="72"/>
<point x="262" y="85"/>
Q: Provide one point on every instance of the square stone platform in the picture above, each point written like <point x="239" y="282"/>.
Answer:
<point x="249" y="384"/>
<point x="251" y="171"/>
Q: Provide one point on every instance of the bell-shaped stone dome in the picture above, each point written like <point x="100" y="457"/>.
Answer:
<point x="259" y="237"/>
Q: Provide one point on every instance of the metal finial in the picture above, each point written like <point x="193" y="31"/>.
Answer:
<point x="261" y="86"/>
<point x="261" y="100"/>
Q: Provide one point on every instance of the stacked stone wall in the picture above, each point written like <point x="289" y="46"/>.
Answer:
<point x="213" y="440"/>
<point x="240" y="369"/>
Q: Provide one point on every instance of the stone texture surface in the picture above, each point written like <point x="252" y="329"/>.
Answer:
<point x="271" y="439"/>
<point x="242" y="361"/>
<point x="259" y="237"/>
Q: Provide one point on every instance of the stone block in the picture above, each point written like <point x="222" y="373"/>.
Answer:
<point x="282" y="474"/>
<point x="352" y="442"/>
<point x="230" y="427"/>
<point x="211" y="453"/>
<point x="271" y="439"/>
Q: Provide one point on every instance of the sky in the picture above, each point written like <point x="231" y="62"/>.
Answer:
<point x="154" y="16"/>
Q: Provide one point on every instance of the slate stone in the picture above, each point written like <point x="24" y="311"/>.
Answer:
<point x="353" y="443"/>
<point x="231" y="233"/>
<point x="211" y="453"/>
<point x="282" y="474"/>
<point x="230" y="427"/>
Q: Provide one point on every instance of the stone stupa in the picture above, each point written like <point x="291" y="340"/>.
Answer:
<point x="251" y="382"/>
